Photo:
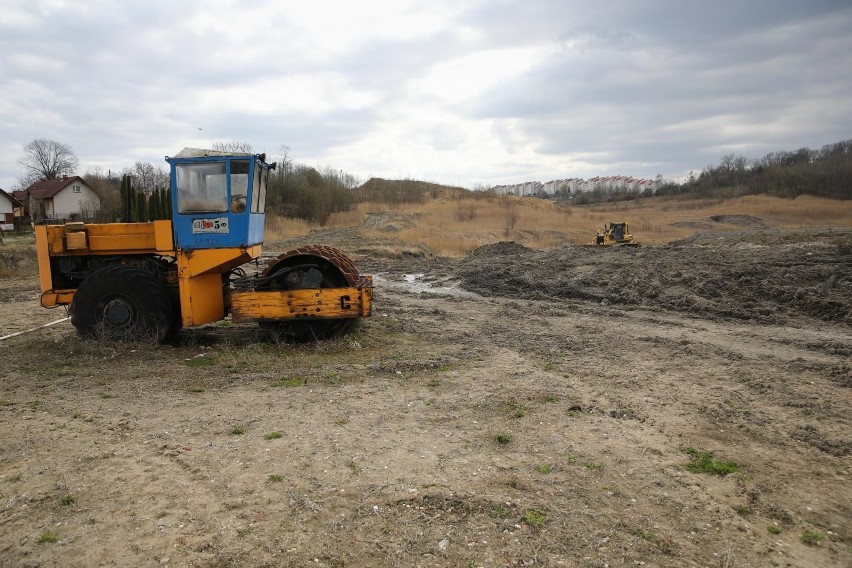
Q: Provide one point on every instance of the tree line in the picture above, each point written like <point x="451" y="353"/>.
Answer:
<point x="142" y="193"/>
<point x="404" y="191"/>
<point x="308" y="193"/>
<point x="137" y="205"/>
<point x="292" y="190"/>
<point x="826" y="172"/>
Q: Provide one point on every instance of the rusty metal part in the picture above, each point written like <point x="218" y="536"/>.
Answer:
<point x="323" y="267"/>
<point x="344" y="265"/>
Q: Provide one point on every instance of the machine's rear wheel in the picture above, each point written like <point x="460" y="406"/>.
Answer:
<point x="312" y="266"/>
<point x="122" y="303"/>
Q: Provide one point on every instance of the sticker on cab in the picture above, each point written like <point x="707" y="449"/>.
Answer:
<point x="218" y="225"/>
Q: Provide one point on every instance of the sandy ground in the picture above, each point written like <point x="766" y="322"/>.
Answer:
<point x="514" y="408"/>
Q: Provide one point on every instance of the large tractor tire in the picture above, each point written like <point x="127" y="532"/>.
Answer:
<point x="311" y="266"/>
<point x="123" y="303"/>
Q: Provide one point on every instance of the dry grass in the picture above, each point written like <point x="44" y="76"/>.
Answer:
<point x="17" y="260"/>
<point x="285" y="227"/>
<point x="278" y="228"/>
<point x="347" y="218"/>
<point x="665" y="220"/>
<point x="803" y="211"/>
<point x="453" y="227"/>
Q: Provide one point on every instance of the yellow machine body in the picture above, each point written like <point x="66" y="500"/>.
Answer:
<point x="199" y="276"/>
<point x="276" y="305"/>
<point x="614" y="234"/>
<point x="96" y="239"/>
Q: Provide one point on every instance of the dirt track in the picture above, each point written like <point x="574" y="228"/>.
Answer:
<point x="597" y="369"/>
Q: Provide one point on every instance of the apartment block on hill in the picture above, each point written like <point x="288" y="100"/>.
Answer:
<point x="578" y="185"/>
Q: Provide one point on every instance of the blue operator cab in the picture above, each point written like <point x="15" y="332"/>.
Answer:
<point x="218" y="198"/>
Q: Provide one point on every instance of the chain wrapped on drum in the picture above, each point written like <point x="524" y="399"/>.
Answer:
<point x="306" y="267"/>
<point x="333" y="256"/>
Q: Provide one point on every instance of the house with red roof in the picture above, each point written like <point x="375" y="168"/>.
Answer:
<point x="68" y="197"/>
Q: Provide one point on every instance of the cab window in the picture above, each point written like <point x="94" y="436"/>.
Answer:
<point x="255" y="194"/>
<point x="258" y="196"/>
<point x="239" y="185"/>
<point x="202" y="188"/>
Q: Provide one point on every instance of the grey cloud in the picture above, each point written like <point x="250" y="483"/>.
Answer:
<point x="612" y="97"/>
<point x="648" y="86"/>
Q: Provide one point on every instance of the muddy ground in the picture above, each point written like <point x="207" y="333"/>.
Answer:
<point x="513" y="408"/>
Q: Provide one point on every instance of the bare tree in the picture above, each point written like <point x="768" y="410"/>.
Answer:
<point x="108" y="208"/>
<point x="512" y="218"/>
<point x="285" y="162"/>
<point x="22" y="182"/>
<point x="47" y="159"/>
<point x="90" y="208"/>
<point x="734" y="167"/>
<point x="147" y="177"/>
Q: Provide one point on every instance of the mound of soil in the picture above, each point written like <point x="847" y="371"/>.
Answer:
<point x="745" y="220"/>
<point x="732" y="279"/>
<point x="499" y="249"/>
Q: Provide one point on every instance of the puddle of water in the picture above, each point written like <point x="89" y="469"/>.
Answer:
<point x="415" y="284"/>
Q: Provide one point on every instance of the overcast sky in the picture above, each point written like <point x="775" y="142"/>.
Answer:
<point x="452" y="91"/>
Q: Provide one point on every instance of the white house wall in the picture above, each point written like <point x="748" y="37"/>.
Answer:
<point x="67" y="203"/>
<point x="6" y="208"/>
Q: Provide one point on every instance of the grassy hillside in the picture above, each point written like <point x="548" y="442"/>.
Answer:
<point x="378" y="190"/>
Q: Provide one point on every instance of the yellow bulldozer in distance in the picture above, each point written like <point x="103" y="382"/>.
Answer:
<point x="616" y="234"/>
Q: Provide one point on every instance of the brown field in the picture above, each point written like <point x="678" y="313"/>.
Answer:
<point x="530" y="403"/>
<point x="454" y="227"/>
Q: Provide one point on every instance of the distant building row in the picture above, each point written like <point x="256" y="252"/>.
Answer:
<point x="577" y="185"/>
